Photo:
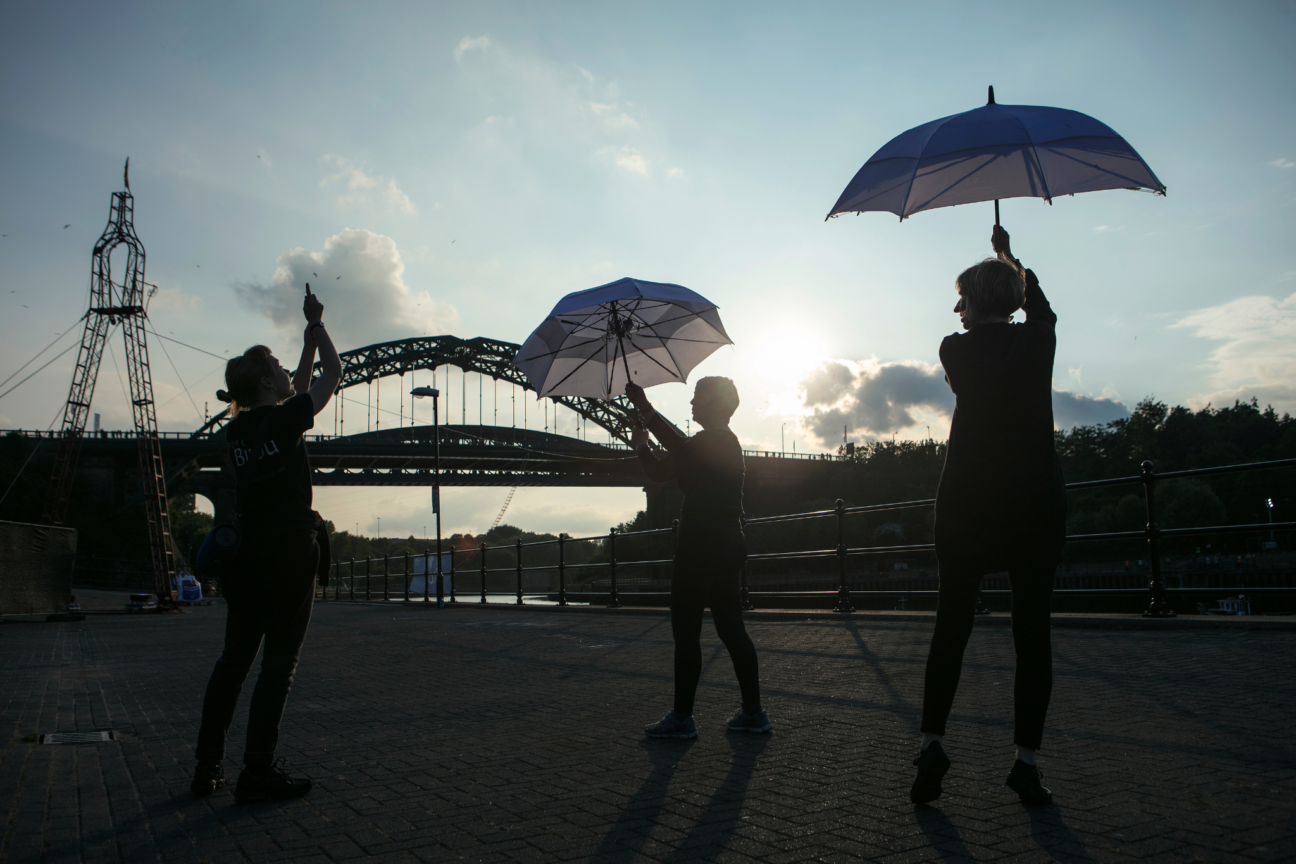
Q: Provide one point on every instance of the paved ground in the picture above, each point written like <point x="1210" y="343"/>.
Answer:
<point x="512" y="735"/>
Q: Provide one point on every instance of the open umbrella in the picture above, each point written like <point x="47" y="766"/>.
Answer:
<point x="594" y="341"/>
<point x="993" y="152"/>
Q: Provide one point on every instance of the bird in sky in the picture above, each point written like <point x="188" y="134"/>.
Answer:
<point x="316" y="275"/>
<point x="258" y="155"/>
<point x="338" y="278"/>
<point x="67" y="226"/>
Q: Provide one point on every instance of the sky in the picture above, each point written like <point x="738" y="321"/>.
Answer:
<point x="437" y="168"/>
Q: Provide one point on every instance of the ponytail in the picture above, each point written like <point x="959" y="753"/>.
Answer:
<point x="243" y="376"/>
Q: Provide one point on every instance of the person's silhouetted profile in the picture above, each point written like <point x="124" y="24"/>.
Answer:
<point x="1001" y="504"/>
<point x="269" y="587"/>
<point x="710" y="549"/>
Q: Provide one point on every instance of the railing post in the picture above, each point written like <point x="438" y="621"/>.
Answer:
<point x="843" y="593"/>
<point x="368" y="579"/>
<point x="386" y="568"/>
<point x="747" y="605"/>
<point x="337" y="580"/>
<point x="351" y="581"/>
<point x="1158" y="605"/>
<point x="562" y="570"/>
<point x="407" y="575"/>
<point x="453" y="599"/>
<point x="483" y="571"/>
<point x="440" y="581"/>
<point x="614" y="602"/>
<point x="427" y="578"/>
<point x="519" y="571"/>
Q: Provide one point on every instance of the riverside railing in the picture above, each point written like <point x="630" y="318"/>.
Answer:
<point x="1151" y="534"/>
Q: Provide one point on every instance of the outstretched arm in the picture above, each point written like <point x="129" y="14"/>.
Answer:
<point x="1034" y="304"/>
<point x="302" y="377"/>
<point x="667" y="434"/>
<point x="331" y="372"/>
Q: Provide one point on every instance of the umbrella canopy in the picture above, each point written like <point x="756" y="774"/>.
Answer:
<point x="993" y="152"/>
<point x="594" y="341"/>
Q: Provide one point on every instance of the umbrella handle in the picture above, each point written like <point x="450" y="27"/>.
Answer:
<point x="996" y="212"/>
<point x="625" y="362"/>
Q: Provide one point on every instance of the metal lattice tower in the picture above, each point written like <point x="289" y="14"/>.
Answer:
<point x="112" y="303"/>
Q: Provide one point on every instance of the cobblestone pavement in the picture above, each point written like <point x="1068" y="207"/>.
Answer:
<point x="514" y="735"/>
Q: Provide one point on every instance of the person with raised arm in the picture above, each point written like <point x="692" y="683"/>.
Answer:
<point x="270" y="587"/>
<point x="710" y="548"/>
<point x="1000" y="505"/>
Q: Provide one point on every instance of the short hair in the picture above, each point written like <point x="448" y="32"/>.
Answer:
<point x="720" y="392"/>
<point x="243" y="376"/>
<point x="992" y="287"/>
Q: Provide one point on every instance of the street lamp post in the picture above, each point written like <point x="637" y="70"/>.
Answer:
<point x="1269" y="507"/>
<point x="436" y="484"/>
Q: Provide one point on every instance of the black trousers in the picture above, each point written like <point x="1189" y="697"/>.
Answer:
<point x="270" y="592"/>
<point x="1032" y="592"/>
<point x="707" y="573"/>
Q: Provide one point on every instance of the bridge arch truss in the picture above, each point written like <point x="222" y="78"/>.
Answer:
<point x="487" y="357"/>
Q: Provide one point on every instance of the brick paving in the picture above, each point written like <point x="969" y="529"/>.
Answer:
<point x="513" y="735"/>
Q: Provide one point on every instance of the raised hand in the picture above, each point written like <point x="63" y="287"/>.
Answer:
<point x="1001" y="244"/>
<point x="312" y="308"/>
<point x="637" y="397"/>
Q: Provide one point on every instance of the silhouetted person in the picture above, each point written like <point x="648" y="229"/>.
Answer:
<point x="270" y="587"/>
<point x="1001" y="504"/>
<point x="710" y="549"/>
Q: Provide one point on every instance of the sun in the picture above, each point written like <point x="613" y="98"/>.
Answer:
<point x="782" y="357"/>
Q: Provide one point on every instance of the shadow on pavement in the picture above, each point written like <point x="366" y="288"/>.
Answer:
<point x="941" y="833"/>
<point x="627" y="837"/>
<point x="1052" y="835"/>
<point x="710" y="833"/>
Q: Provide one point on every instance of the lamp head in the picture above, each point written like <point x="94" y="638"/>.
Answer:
<point x="425" y="391"/>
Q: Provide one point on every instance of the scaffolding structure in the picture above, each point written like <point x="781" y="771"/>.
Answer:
<point x="112" y="303"/>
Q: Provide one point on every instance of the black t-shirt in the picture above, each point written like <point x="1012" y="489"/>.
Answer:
<point x="278" y="480"/>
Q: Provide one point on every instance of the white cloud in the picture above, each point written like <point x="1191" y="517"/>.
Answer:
<point x="628" y="159"/>
<point x="360" y="282"/>
<point x="1283" y="163"/>
<point x="1101" y="229"/>
<point x="1257" y="356"/>
<point x="877" y="399"/>
<point x="874" y="398"/>
<point x="674" y="172"/>
<point x="469" y="43"/>
<point x="173" y="300"/>
<point x="540" y="113"/>
<point x="1077" y="409"/>
<point x="365" y="190"/>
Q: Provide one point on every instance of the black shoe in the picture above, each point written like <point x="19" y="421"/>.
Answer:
<point x="269" y="783"/>
<point x="1026" y="781"/>
<point x="932" y="764"/>
<point x="208" y="777"/>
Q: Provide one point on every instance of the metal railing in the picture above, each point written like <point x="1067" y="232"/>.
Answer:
<point x="1158" y="604"/>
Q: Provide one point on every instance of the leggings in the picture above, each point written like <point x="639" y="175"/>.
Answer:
<point x="270" y="592"/>
<point x="1032" y="590"/>
<point x="706" y="574"/>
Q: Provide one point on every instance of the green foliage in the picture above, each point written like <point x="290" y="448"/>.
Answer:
<point x="188" y="526"/>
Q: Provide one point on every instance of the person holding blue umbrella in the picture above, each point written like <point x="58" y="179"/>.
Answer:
<point x="1001" y="503"/>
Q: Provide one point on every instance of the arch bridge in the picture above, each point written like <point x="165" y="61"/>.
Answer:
<point x="489" y="358"/>
<point x="471" y="455"/>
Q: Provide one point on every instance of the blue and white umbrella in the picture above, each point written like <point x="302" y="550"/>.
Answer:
<point x="993" y="152"/>
<point x="594" y="341"/>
